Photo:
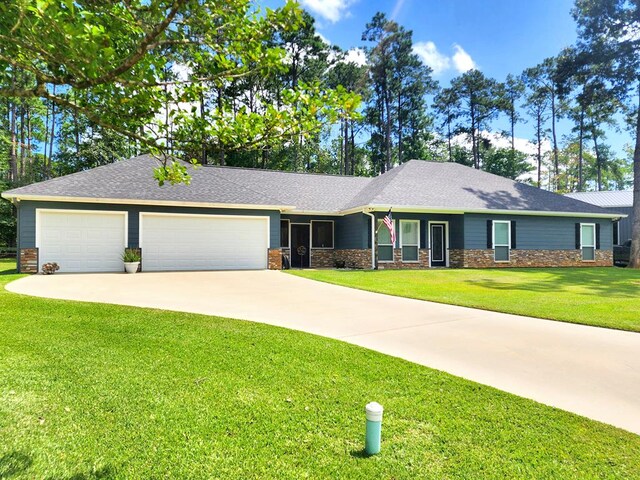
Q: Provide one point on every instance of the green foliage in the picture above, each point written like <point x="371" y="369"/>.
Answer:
<point x="8" y="220"/>
<point x="130" y="255"/>
<point x="505" y="162"/>
<point x="109" y="62"/>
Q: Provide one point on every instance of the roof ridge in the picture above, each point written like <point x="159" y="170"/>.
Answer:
<point x="272" y="170"/>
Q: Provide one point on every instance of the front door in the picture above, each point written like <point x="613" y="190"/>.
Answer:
<point x="300" y="243"/>
<point x="438" y="244"/>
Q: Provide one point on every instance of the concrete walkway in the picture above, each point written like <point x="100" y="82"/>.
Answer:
<point x="590" y="371"/>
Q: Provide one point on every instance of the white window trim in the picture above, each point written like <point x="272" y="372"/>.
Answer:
<point x="412" y="245"/>
<point x="288" y="233"/>
<point x="493" y="240"/>
<point x="582" y="244"/>
<point x="446" y="239"/>
<point x="393" y="247"/>
<point x="333" y="235"/>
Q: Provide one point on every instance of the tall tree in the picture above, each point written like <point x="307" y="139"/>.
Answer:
<point x="513" y="90"/>
<point x="608" y="37"/>
<point x="105" y="61"/>
<point x="477" y="101"/>
<point x="399" y="82"/>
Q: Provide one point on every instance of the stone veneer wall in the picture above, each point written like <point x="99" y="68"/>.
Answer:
<point x="423" y="261"/>
<point x="275" y="259"/>
<point x="28" y="260"/>
<point x="528" y="258"/>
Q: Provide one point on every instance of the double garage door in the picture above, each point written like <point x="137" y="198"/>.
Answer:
<point x="81" y="241"/>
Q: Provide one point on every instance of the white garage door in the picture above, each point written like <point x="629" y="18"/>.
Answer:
<point x="203" y="242"/>
<point x="81" y="241"/>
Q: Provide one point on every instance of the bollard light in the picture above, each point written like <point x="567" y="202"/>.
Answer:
<point x="373" y="412"/>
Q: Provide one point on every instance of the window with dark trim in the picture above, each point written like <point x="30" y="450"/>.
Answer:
<point x="284" y="233"/>
<point x="321" y="234"/>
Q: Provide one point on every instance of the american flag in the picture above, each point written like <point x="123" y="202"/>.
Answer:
<point x="388" y="222"/>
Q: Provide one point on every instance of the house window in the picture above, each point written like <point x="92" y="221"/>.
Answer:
<point x="501" y="240"/>
<point x="284" y="233"/>
<point x="409" y="239"/>
<point x="588" y="241"/>
<point x="321" y="234"/>
<point x="385" y="247"/>
<point x="616" y="233"/>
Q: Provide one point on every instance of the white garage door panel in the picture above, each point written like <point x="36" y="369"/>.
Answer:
<point x="186" y="242"/>
<point x="82" y="241"/>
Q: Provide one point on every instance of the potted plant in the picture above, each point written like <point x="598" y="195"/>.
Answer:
<point x="131" y="259"/>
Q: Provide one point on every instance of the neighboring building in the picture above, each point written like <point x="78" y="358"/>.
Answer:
<point x="446" y="215"/>
<point x="614" y="202"/>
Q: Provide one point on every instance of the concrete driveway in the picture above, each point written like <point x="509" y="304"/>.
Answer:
<point x="590" y="371"/>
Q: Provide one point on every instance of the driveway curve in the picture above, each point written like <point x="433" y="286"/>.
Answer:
<point x="590" y="371"/>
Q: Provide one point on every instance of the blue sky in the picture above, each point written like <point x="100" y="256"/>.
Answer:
<point x="495" y="36"/>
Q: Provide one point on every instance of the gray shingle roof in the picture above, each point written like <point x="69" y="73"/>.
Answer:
<point x="447" y="186"/>
<point x="454" y="186"/>
<point x="605" y="199"/>
<point x="132" y="179"/>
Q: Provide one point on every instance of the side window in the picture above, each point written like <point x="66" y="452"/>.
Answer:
<point x="409" y="239"/>
<point x="385" y="248"/>
<point x="501" y="240"/>
<point x="588" y="241"/>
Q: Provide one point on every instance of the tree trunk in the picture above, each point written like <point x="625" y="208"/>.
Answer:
<point x="634" y="260"/>
<point x="29" y="134"/>
<point x="399" y="131"/>
<point x="449" y="139"/>
<point x="352" y="154"/>
<point x="22" y="139"/>
<point x="555" y="142"/>
<point x="594" y="132"/>
<point x="53" y="133"/>
<point x="13" y="157"/>
<point x="203" y="153"/>
<point x="580" y="148"/>
<point x="220" y="107"/>
<point x="539" y="141"/>
<point x="387" y="135"/>
<point x="474" y="147"/>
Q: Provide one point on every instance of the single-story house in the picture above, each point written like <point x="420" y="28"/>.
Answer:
<point x="615" y="202"/>
<point x="446" y="215"/>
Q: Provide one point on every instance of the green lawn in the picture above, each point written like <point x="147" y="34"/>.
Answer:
<point x="604" y="297"/>
<point x="93" y="391"/>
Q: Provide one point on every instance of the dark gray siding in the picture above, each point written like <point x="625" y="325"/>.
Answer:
<point x="535" y="233"/>
<point x="350" y="231"/>
<point x="625" y="223"/>
<point x="27" y="217"/>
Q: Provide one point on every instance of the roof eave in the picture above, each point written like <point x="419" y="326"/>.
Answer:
<point x="461" y="211"/>
<point x="133" y="201"/>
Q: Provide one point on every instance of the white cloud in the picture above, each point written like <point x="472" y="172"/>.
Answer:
<point x="462" y="61"/>
<point x="439" y="62"/>
<point x="357" y="56"/>
<point x="430" y="56"/>
<point x="332" y="10"/>
<point x="396" y="9"/>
